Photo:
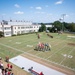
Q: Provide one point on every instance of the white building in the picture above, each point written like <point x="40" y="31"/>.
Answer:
<point x="18" y="27"/>
<point x="6" y="29"/>
<point x="0" y="27"/>
<point x="21" y="29"/>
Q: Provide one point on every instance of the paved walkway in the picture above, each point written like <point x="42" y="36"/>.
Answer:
<point x="26" y="63"/>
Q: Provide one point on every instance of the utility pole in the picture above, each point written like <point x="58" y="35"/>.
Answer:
<point x="63" y="15"/>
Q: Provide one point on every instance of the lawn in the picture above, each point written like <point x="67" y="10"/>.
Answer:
<point x="62" y="52"/>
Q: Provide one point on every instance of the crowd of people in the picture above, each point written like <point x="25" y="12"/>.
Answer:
<point x="43" y="47"/>
<point x="5" y="70"/>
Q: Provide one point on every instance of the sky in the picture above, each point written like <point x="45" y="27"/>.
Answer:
<point x="45" y="11"/>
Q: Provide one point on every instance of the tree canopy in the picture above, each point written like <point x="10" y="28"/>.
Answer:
<point x="1" y="34"/>
<point x="42" y="28"/>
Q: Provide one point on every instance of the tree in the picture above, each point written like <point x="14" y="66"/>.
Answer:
<point x="49" y="29"/>
<point x="42" y="28"/>
<point x="1" y="34"/>
<point x="58" y="25"/>
<point x="72" y="27"/>
<point x="66" y="25"/>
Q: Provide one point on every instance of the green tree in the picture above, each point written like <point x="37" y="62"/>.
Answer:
<point x="49" y="28"/>
<point x="66" y="25"/>
<point x="1" y="34"/>
<point x="58" y="25"/>
<point x="72" y="27"/>
<point x="42" y="28"/>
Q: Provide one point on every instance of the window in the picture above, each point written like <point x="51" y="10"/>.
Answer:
<point x="7" y="28"/>
<point x="22" y="32"/>
<point x="22" y="27"/>
<point x="18" y="27"/>
<point x="7" y="33"/>
<point x="18" y="32"/>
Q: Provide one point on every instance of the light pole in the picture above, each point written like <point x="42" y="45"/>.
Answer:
<point x="63" y="15"/>
<point x="61" y="24"/>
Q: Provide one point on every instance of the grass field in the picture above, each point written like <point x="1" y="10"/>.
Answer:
<point x="62" y="48"/>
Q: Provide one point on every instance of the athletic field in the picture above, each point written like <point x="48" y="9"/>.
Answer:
<point x="62" y="48"/>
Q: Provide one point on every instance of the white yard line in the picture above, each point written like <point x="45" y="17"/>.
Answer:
<point x="68" y="54"/>
<point x="2" y="53"/>
<point x="71" y="36"/>
<point x="25" y="45"/>
<point x="34" y="55"/>
<point x="29" y="51"/>
<point x="11" y="47"/>
<point x="56" y="52"/>
<point x="51" y="61"/>
<point x="52" y="46"/>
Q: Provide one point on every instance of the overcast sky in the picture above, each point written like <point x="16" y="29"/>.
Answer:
<point x="37" y="10"/>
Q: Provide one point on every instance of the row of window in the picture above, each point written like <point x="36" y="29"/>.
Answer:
<point x="7" y="28"/>
<point x="7" y="33"/>
<point x="26" y="27"/>
<point x="20" y="32"/>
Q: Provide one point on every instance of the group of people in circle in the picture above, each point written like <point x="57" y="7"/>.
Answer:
<point x="43" y="47"/>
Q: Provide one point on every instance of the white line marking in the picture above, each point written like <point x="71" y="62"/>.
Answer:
<point x="32" y="55"/>
<point x="29" y="45"/>
<point x="68" y="54"/>
<point x="2" y="53"/>
<point x="52" y="46"/>
<point x="56" y="52"/>
<point x="11" y="47"/>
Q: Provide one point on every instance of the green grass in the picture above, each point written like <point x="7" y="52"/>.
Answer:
<point x="16" y="45"/>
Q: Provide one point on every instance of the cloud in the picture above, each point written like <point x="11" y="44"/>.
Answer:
<point x="19" y="12"/>
<point x="17" y="6"/>
<point x="67" y="15"/>
<point x="39" y="8"/>
<point x="59" y="2"/>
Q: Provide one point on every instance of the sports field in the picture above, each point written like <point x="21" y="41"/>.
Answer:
<point x="62" y="48"/>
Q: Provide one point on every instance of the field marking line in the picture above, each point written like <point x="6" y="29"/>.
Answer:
<point x="25" y="46"/>
<point x="29" y="50"/>
<point x="31" y="54"/>
<point x="68" y="54"/>
<point x="16" y="49"/>
<point x="56" y="51"/>
<point x="2" y="53"/>
<point x="52" y="46"/>
<point x="50" y="61"/>
<point x="11" y="47"/>
<point x="25" y="42"/>
<point x="17" y="41"/>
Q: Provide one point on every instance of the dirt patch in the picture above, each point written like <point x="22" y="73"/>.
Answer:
<point x="71" y="44"/>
